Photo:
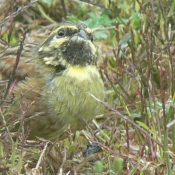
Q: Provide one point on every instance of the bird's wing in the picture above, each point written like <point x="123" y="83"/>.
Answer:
<point x="8" y="57"/>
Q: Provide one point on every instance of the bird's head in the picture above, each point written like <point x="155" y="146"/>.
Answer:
<point x="70" y="43"/>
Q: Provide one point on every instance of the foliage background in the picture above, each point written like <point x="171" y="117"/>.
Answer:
<point x="135" y="41"/>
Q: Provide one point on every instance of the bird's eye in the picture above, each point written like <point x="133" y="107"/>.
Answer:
<point x="91" y="38"/>
<point x="61" y="32"/>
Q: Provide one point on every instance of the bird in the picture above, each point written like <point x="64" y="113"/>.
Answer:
<point x="57" y="83"/>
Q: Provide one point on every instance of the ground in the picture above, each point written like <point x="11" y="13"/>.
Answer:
<point x="135" y="134"/>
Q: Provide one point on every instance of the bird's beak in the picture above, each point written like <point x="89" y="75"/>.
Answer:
<point x="80" y="37"/>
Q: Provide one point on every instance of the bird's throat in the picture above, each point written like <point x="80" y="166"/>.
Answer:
<point x="81" y="73"/>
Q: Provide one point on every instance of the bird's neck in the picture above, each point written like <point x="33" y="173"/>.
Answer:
<point x="81" y="72"/>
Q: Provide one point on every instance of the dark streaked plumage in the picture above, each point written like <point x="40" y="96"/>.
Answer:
<point x="57" y="97"/>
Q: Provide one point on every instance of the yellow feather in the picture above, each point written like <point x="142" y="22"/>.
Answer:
<point x="81" y="73"/>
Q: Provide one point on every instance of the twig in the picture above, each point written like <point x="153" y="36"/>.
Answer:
<point x="104" y="28"/>
<point x="16" y="64"/>
<point x="5" y="124"/>
<point x="14" y="14"/>
<point x="128" y="120"/>
<point x="90" y="4"/>
<point x="44" y="14"/>
<point x="64" y="8"/>
<point x="100" y="130"/>
<point x="41" y="156"/>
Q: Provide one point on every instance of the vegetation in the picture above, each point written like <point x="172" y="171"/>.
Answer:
<point x="136" y="134"/>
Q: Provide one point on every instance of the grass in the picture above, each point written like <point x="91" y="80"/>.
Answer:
<point x="137" y="131"/>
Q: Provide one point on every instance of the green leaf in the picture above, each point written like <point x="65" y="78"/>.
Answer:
<point x="101" y="35"/>
<point x="96" y="20"/>
<point x="136" y="115"/>
<point x="135" y="20"/>
<point x="123" y="6"/>
<point x="134" y="170"/>
<point x="73" y="18"/>
<point x="48" y="2"/>
<point x="20" y="163"/>
<point x="1" y="150"/>
<point x="122" y="20"/>
<point x="117" y="165"/>
<point x="124" y="41"/>
<point x="98" y="167"/>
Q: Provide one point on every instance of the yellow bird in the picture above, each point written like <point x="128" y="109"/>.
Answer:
<point x="60" y="76"/>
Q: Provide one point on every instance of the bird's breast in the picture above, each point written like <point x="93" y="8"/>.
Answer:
<point x="68" y="96"/>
